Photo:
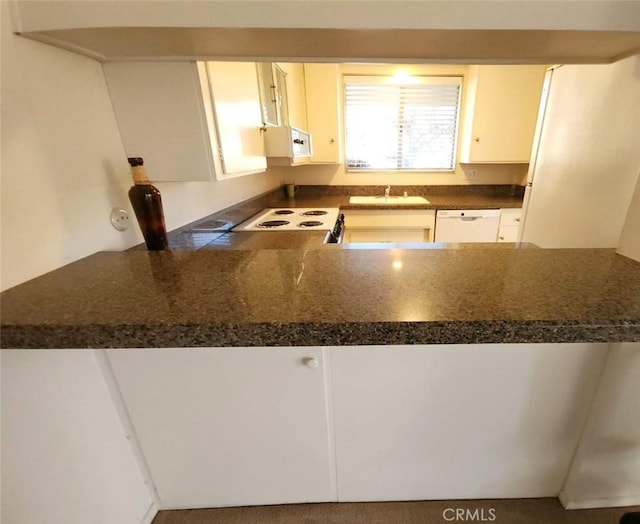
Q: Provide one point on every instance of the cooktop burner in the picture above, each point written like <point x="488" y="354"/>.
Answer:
<point x="319" y="219"/>
<point x="273" y="223"/>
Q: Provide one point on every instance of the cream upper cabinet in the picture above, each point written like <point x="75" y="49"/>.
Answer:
<point x="188" y="120"/>
<point x="236" y="107"/>
<point x="501" y="107"/>
<point x="322" y="87"/>
<point x="160" y="110"/>
<point x="296" y="98"/>
<point x="272" y="85"/>
<point x="282" y="95"/>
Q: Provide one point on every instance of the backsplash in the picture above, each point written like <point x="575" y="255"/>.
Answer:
<point x="335" y="174"/>
<point x="506" y="190"/>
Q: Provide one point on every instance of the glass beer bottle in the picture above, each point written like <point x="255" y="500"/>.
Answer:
<point x="147" y="204"/>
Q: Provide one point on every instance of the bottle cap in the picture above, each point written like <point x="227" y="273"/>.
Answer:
<point x="135" y="161"/>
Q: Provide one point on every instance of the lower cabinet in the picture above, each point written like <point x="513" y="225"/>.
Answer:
<point x="452" y="422"/>
<point x="509" y="228"/>
<point x="485" y="225"/>
<point x="230" y="426"/>
<point x="362" y="226"/>
<point x="238" y="426"/>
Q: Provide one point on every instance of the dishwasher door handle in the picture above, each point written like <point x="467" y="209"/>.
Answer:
<point x="469" y="219"/>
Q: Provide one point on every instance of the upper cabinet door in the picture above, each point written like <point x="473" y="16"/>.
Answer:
<point x="160" y="109"/>
<point x="270" y="96"/>
<point x="189" y="121"/>
<point x="322" y="87"/>
<point x="295" y="94"/>
<point x="236" y="105"/>
<point x="501" y="107"/>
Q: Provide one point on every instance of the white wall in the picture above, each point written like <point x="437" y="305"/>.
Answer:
<point x="64" y="166"/>
<point x="630" y="239"/>
<point x="65" y="455"/>
<point x="62" y="159"/>
<point x="588" y="158"/>
<point x="606" y="468"/>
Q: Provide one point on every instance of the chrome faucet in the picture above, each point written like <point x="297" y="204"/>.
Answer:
<point x="386" y="192"/>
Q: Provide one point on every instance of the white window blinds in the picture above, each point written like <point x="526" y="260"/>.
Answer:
<point x="393" y="125"/>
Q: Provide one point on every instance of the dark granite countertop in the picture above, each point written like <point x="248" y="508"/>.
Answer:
<point x="338" y="296"/>
<point x="213" y="231"/>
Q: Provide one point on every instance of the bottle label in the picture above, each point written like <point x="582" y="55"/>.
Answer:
<point x="139" y="174"/>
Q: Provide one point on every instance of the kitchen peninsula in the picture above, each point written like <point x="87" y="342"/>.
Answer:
<point x="332" y="296"/>
<point x="208" y="377"/>
<point x="328" y="294"/>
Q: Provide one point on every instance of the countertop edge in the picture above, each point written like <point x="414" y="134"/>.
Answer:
<point x="267" y="334"/>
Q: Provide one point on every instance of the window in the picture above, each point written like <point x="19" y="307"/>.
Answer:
<point x="401" y="124"/>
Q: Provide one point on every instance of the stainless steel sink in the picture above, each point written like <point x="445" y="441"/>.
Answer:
<point x="386" y="201"/>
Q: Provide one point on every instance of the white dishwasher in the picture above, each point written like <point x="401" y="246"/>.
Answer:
<point x="468" y="225"/>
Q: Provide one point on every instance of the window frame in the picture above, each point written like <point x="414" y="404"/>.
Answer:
<point x="423" y="79"/>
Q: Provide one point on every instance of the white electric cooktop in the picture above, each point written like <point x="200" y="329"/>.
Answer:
<point x="291" y="219"/>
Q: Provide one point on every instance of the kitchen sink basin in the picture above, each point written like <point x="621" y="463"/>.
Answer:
<point x="386" y="201"/>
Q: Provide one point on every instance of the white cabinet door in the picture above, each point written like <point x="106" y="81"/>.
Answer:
<point x="296" y="99"/>
<point x="230" y="426"/>
<point x="322" y="87"/>
<point x="270" y="96"/>
<point x="388" y="235"/>
<point x="508" y="234"/>
<point x="236" y="104"/>
<point x="161" y="112"/>
<point x="448" y="422"/>
<point x="400" y="225"/>
<point x="509" y="229"/>
<point x="502" y="106"/>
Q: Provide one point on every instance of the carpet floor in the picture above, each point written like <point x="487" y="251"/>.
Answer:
<point x="511" y="511"/>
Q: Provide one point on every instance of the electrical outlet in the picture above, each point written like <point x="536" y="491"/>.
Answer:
<point x="470" y="174"/>
<point x="119" y="219"/>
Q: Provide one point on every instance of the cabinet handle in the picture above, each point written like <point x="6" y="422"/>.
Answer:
<point x="332" y="140"/>
<point x="501" y="238"/>
<point x="311" y="363"/>
<point x="298" y="141"/>
<point x="516" y="220"/>
<point x="477" y="139"/>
